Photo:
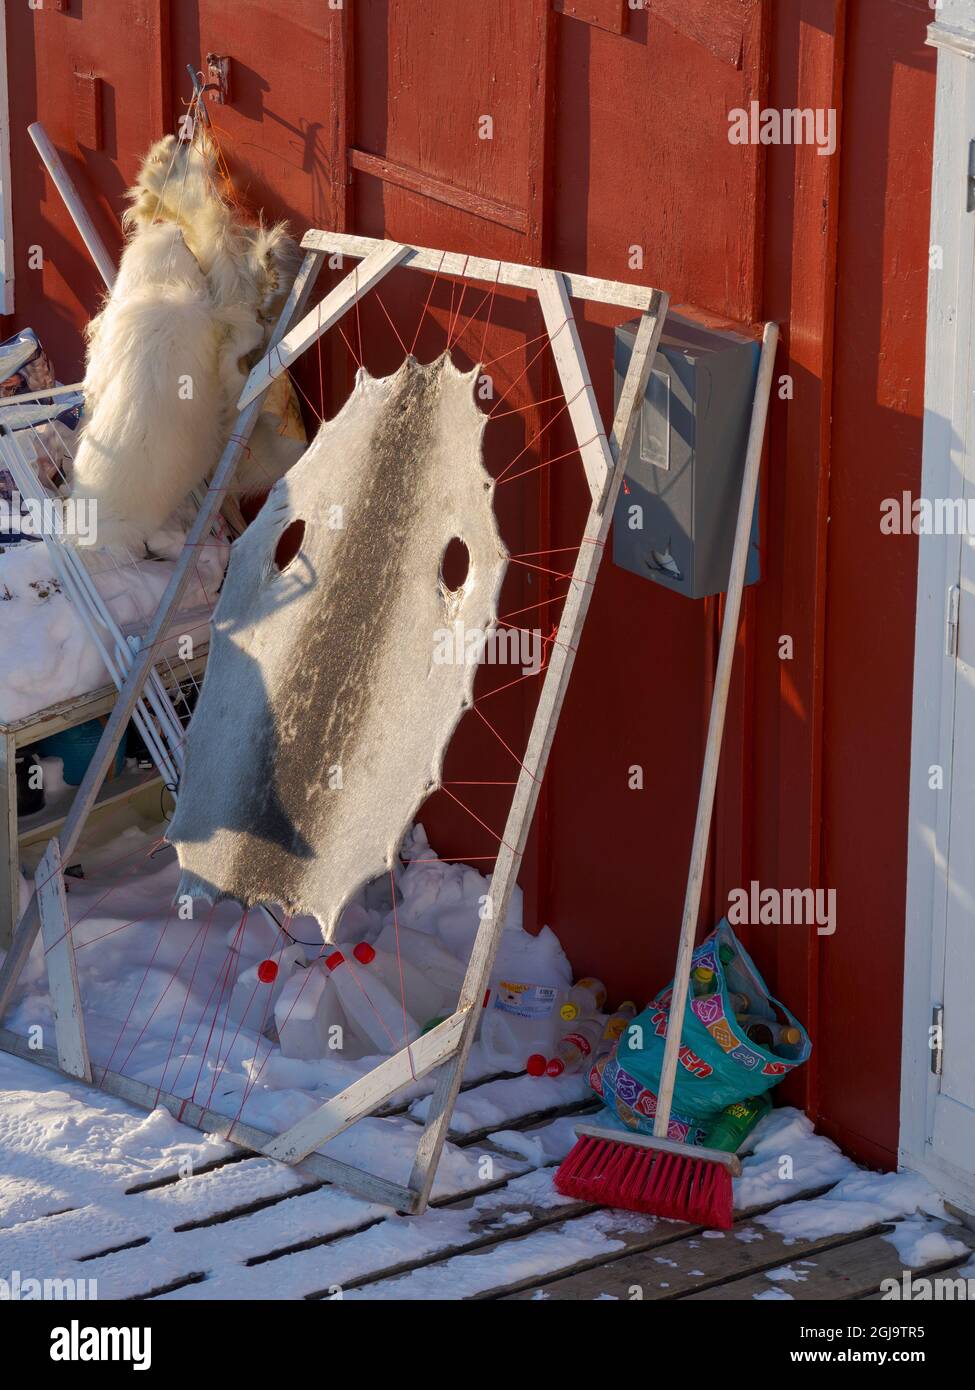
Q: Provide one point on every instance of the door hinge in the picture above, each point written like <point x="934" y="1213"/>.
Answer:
<point x="951" y="620"/>
<point x="970" y="182"/>
<point x="937" y="1037"/>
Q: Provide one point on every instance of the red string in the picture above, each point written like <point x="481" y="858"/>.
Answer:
<point x="504" y="745"/>
<point x="493" y="833"/>
<point x="487" y="324"/>
<point x="433" y="286"/>
<point x="391" y="323"/>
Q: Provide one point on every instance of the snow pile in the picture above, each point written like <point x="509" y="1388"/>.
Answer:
<point x="63" y="1144"/>
<point x="920" y="1242"/>
<point x="49" y="654"/>
<point x="155" y="989"/>
<point x="543" y="1147"/>
<point x="861" y="1199"/>
<point x="787" y="1157"/>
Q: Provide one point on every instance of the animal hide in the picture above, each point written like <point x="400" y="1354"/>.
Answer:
<point x="325" y="712"/>
<point x="197" y="293"/>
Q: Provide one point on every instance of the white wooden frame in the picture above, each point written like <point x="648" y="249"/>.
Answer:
<point x="947" y="467"/>
<point x="603" y="456"/>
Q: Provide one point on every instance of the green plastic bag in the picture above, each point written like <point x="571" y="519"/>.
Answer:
<point x="718" y="1064"/>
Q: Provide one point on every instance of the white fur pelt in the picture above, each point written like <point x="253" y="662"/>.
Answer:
<point x="198" y="290"/>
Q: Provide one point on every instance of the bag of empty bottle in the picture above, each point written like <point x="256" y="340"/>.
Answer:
<point x="737" y="1042"/>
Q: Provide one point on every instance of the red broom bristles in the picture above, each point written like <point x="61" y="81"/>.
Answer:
<point x="679" y="1187"/>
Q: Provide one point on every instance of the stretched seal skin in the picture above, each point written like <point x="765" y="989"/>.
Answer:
<point x="325" y="713"/>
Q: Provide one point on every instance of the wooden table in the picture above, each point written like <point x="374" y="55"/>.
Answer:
<point x="14" y="833"/>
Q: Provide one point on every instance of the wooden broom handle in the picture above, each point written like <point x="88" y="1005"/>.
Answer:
<point x="719" y="704"/>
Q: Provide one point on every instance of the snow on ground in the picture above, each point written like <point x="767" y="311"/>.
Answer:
<point x="860" y="1199"/>
<point x="50" y="654"/>
<point x="919" y="1242"/>
<point x="543" y="1146"/>
<point x="69" y="1155"/>
<point x="787" y="1157"/>
<point x="155" y="1004"/>
<point x="65" y="1145"/>
<point x="491" y="1103"/>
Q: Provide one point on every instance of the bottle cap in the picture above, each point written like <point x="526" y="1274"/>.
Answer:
<point x="267" y="972"/>
<point x="555" y="1067"/>
<point x="703" y="973"/>
<point x="364" y="953"/>
<point x="569" y="1012"/>
<point x="335" y="960"/>
<point x="791" y="1035"/>
<point x="535" y="1066"/>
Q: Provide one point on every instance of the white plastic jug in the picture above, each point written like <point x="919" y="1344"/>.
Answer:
<point x="404" y="982"/>
<point x="310" y="1020"/>
<point x="529" y="983"/>
<point x="258" y="989"/>
<point x="426" y="954"/>
<point x="374" y="1014"/>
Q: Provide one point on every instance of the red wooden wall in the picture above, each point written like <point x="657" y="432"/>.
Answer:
<point x="610" y="131"/>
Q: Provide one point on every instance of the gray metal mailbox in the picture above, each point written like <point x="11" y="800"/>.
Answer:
<point x="675" y="517"/>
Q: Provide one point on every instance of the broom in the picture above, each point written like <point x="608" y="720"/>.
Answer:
<point x="651" y="1173"/>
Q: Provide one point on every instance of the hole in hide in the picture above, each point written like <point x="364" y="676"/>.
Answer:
<point x="289" y="543"/>
<point x="455" y="564"/>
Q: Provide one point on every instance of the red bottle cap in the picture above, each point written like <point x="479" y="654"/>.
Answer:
<point x="555" y="1067"/>
<point x="335" y="960"/>
<point x="267" y="972"/>
<point x="364" y="953"/>
<point x="535" y="1066"/>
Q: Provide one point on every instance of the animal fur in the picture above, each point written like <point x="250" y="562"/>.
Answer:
<point x="198" y="290"/>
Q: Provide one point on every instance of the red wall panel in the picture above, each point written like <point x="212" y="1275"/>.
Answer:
<point x="878" y="397"/>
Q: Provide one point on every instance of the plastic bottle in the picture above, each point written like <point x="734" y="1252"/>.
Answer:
<point x="731" y="1128"/>
<point x="586" y="997"/>
<point x="309" y="1014"/>
<point x="375" y="1016"/>
<point x="423" y="999"/>
<point x="259" y="987"/>
<point x="576" y="1048"/>
<point x="613" y="1028"/>
<point x="703" y="981"/>
<point x="518" y="1023"/>
<point x="767" y="1033"/>
<point x="531" y="979"/>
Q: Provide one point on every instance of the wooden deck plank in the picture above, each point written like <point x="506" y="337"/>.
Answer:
<point x="271" y="1209"/>
<point x="300" y="1240"/>
<point x="848" y="1271"/>
<point x="588" y="1241"/>
<point x="687" y="1266"/>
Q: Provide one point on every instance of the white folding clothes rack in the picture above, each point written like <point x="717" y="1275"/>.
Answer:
<point x="447" y="1045"/>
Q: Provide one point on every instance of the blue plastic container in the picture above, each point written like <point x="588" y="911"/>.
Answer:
<point x="76" y="748"/>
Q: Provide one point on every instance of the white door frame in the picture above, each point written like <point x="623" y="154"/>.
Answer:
<point x="948" y="458"/>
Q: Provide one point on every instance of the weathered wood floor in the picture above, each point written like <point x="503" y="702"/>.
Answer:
<point x="246" y="1227"/>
